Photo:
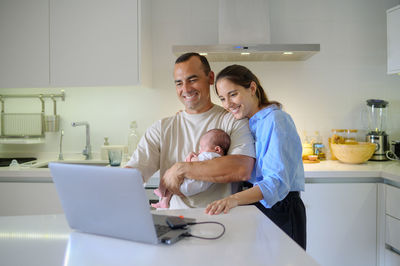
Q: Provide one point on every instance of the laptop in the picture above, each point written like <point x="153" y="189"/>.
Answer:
<point x="111" y="202"/>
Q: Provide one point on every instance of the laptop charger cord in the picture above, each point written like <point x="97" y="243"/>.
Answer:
<point x="206" y="238"/>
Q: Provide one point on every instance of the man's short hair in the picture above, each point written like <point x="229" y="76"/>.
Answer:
<point x="203" y="59"/>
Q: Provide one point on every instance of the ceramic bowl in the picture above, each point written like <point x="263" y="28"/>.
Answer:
<point x="353" y="153"/>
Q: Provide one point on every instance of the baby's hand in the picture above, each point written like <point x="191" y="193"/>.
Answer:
<point x="192" y="157"/>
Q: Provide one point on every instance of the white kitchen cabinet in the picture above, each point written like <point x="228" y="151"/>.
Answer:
<point x="35" y="198"/>
<point x="392" y="201"/>
<point x="28" y="199"/>
<point x="393" y="232"/>
<point x="24" y="43"/>
<point x="60" y="43"/>
<point x="94" y="42"/>
<point x="391" y="258"/>
<point x="393" y="40"/>
<point x="342" y="223"/>
<point x="392" y="228"/>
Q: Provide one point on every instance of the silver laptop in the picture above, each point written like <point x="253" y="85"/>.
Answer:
<point x="111" y="202"/>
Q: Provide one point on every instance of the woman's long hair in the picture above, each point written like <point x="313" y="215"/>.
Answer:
<point x="242" y="76"/>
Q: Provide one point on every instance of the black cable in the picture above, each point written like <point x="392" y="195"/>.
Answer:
<point x="207" y="238"/>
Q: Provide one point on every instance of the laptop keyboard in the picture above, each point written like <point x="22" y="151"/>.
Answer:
<point x="162" y="229"/>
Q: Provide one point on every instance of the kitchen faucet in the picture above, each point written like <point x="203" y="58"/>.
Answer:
<point x="88" y="150"/>
<point x="60" y="155"/>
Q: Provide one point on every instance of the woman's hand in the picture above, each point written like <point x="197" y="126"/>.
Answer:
<point x="222" y="205"/>
<point x="247" y="196"/>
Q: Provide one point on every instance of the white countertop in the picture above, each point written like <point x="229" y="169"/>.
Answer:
<point x="250" y="239"/>
<point x="325" y="171"/>
<point x="370" y="171"/>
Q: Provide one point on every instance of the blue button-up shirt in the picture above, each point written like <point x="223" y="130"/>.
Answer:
<point x="279" y="166"/>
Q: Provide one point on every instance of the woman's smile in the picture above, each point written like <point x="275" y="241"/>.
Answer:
<point x="234" y="109"/>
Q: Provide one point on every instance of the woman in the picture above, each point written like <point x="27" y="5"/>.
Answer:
<point x="278" y="174"/>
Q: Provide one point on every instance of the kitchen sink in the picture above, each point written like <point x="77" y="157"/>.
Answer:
<point x="81" y="162"/>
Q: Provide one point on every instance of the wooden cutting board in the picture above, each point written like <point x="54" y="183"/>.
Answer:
<point x="309" y="161"/>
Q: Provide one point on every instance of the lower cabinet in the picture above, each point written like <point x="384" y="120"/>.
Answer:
<point x="28" y="199"/>
<point x="392" y="228"/>
<point x="392" y="258"/>
<point x="342" y="223"/>
<point x="35" y="199"/>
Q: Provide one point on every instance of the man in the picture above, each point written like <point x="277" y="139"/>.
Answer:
<point x="169" y="140"/>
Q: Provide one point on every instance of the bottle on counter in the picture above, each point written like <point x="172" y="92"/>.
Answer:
<point x="318" y="146"/>
<point x="307" y="146"/>
<point x="133" y="139"/>
<point x="104" y="149"/>
<point x="307" y="150"/>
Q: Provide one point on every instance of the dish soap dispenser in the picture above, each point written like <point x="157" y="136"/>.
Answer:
<point x="104" y="149"/>
<point x="133" y="139"/>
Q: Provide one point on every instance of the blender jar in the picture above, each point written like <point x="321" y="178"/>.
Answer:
<point x="377" y="114"/>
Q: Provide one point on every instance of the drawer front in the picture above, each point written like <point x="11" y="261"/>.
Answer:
<point x="393" y="232"/>
<point x="393" y="201"/>
<point x="391" y="258"/>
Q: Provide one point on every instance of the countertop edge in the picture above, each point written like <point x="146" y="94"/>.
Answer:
<point x="324" y="172"/>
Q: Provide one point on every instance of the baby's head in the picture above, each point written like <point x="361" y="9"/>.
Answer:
<point x="215" y="140"/>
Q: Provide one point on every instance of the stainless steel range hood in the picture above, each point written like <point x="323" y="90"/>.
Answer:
<point x="244" y="35"/>
<point x="251" y="52"/>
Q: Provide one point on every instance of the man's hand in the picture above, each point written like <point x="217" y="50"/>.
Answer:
<point x="173" y="179"/>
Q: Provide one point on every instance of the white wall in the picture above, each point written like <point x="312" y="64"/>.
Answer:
<point x="327" y="91"/>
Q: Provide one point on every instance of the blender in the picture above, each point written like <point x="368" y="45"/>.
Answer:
<point x="377" y="114"/>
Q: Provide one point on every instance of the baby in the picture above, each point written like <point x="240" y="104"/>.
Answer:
<point x="214" y="143"/>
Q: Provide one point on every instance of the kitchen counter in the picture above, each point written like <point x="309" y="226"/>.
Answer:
<point x="368" y="172"/>
<point x="250" y="239"/>
<point x="325" y="171"/>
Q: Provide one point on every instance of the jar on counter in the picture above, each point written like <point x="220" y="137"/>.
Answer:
<point x="337" y="137"/>
<point x="341" y="136"/>
<point x="318" y="149"/>
<point x="351" y="136"/>
<point x="307" y="149"/>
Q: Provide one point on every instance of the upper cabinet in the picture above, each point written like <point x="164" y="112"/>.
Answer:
<point x="393" y="40"/>
<point x="60" y="43"/>
<point x="24" y="43"/>
<point x="93" y="42"/>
